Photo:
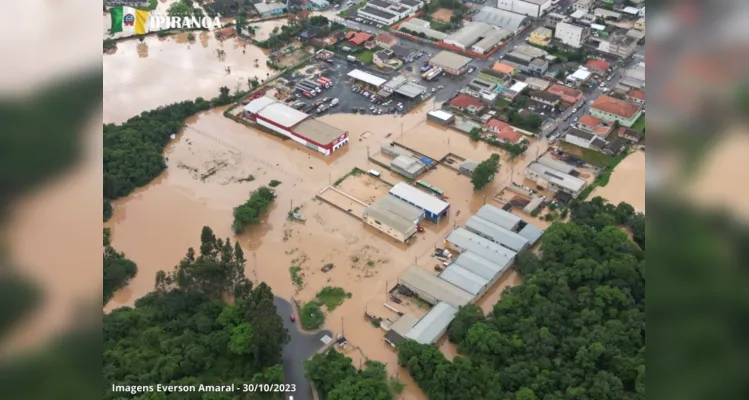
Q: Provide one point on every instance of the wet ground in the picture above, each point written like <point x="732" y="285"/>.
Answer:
<point x="627" y="182"/>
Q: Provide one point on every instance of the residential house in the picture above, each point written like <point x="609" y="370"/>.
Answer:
<point x="386" y="59"/>
<point x="567" y="94"/>
<point x="541" y="36"/>
<point x="269" y="9"/>
<point x="572" y="34"/>
<point x="636" y="96"/>
<point x="466" y="103"/>
<point x="385" y="40"/>
<point x="610" y="109"/>
<point x="597" y="66"/>
<point x="357" y="38"/>
<point x="533" y="83"/>
<point x="504" y="68"/>
<point x="640" y="24"/>
<point x="607" y="15"/>
<point x="588" y="140"/>
<point x="579" y="77"/>
<point x="629" y="134"/>
<point x="596" y="126"/>
<point x="503" y="131"/>
<point x="583" y="5"/>
<point x="633" y="78"/>
<point x="618" y="45"/>
<point x="499" y="78"/>
<point x="555" y="180"/>
<point x="545" y="98"/>
<point x="552" y="19"/>
<point x="526" y="63"/>
<point x="511" y="91"/>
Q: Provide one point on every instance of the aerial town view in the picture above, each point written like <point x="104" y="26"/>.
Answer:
<point x="383" y="199"/>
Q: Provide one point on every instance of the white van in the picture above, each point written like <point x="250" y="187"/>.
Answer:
<point x="374" y="173"/>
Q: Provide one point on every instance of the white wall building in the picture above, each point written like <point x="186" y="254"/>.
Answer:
<point x="531" y="8"/>
<point x="571" y="34"/>
<point x="583" y="5"/>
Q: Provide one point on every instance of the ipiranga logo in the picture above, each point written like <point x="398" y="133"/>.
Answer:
<point x="134" y="21"/>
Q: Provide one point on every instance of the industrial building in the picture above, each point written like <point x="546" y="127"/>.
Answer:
<point x="496" y="234"/>
<point x="296" y="125"/>
<point x="434" y="208"/>
<point x="399" y="329"/>
<point x="373" y="81"/>
<point x="433" y="324"/>
<point x="381" y="16"/>
<point x="555" y="180"/>
<point x="464" y="279"/>
<point x="453" y="64"/>
<point x="477" y="36"/>
<point x="416" y="25"/>
<point x="401" y="86"/>
<point x="502" y="18"/>
<point x="432" y="289"/>
<point x="462" y="240"/>
<point x="394" y="217"/>
<point x="531" y="8"/>
<point x="531" y="233"/>
<point x="499" y="217"/>
<point x="407" y="166"/>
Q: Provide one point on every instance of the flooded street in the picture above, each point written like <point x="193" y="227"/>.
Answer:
<point x="627" y="182"/>
<point x="160" y="71"/>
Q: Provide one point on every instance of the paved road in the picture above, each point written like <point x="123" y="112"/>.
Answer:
<point x="301" y="347"/>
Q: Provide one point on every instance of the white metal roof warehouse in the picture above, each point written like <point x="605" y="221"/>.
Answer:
<point x="464" y="279"/>
<point x="558" y="178"/>
<point x="367" y="77"/>
<point x="498" y="216"/>
<point x="468" y="34"/>
<point x="433" y="325"/>
<point x="496" y="233"/>
<point x="418" y="198"/>
<point x="282" y="114"/>
<point x="433" y="289"/>
<point x="531" y="233"/>
<point x="501" y="18"/>
<point x="480" y="266"/>
<point x="465" y="240"/>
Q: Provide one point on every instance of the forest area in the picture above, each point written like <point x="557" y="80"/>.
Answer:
<point x="185" y="332"/>
<point x="336" y="378"/>
<point x="575" y="329"/>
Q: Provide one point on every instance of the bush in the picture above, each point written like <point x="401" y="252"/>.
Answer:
<point x="312" y="316"/>
<point x="332" y="297"/>
<point x="250" y="212"/>
<point x="274" y="183"/>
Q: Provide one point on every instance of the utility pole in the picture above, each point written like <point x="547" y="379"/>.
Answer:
<point x="342" y="332"/>
<point x="291" y="204"/>
<point x="386" y="291"/>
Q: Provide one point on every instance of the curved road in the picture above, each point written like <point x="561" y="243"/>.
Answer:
<point x="301" y="347"/>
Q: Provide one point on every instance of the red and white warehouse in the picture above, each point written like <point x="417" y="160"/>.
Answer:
<point x="296" y="125"/>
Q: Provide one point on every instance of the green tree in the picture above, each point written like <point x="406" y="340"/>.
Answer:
<point x="466" y="317"/>
<point x="328" y="369"/>
<point x="117" y="269"/>
<point x="475" y="134"/>
<point x="253" y="209"/>
<point x="485" y="172"/>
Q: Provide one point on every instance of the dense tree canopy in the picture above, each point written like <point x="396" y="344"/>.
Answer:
<point x="597" y="213"/>
<point x="485" y="171"/>
<point x="117" y="269"/>
<point x="253" y="209"/>
<point x="336" y="378"/>
<point x="574" y="330"/>
<point x="185" y="332"/>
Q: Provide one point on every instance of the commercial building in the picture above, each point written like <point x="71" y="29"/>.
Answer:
<point x="572" y="34"/>
<point x="385" y="17"/>
<point x="557" y="165"/>
<point x="373" y="81"/>
<point x="618" y="45"/>
<point x="477" y="36"/>
<point x="462" y="240"/>
<point x="432" y="289"/>
<point x="541" y="36"/>
<point x="433" y="324"/>
<point x="296" y="125"/>
<point x="401" y="86"/>
<point x="421" y="27"/>
<point x="554" y="180"/>
<point x="533" y="83"/>
<point x="270" y="9"/>
<point x="499" y="217"/>
<point x="453" y="64"/>
<point x="407" y="166"/>
<point x="433" y="207"/>
<point x="610" y="109"/>
<point x="502" y="18"/>
<point x="496" y="234"/>
<point x="441" y="117"/>
<point x="394" y="217"/>
<point x="531" y="8"/>
<point x="633" y="78"/>
<point x="386" y="40"/>
<point x="491" y="40"/>
<point x="583" y="5"/>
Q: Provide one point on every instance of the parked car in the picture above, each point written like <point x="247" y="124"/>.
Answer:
<point x="292" y="318"/>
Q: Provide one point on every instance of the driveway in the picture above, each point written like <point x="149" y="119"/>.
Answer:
<point x="301" y="347"/>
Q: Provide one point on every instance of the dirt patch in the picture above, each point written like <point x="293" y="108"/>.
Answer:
<point x="443" y="15"/>
<point x="142" y="49"/>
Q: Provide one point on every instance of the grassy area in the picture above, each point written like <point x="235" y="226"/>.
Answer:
<point x="312" y="316"/>
<point x="639" y="125"/>
<point x="353" y="172"/>
<point x="588" y="155"/>
<point x="332" y="297"/>
<point x="296" y="277"/>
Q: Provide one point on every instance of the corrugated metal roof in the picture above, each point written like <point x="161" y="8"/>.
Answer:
<point x="499" y="217"/>
<point x="557" y="165"/>
<point x="258" y="104"/>
<point x="399" y="208"/>
<point x="411" y="90"/>
<point x="480" y="266"/>
<point x="500" y="235"/>
<point x="464" y="279"/>
<point x="387" y="217"/>
<point x="450" y="60"/>
<point x="468" y="34"/>
<point x="318" y="131"/>
<point x="404" y="324"/>
<point x="558" y="178"/>
<point x="531" y="233"/>
<point x="282" y="115"/>
<point x="469" y="241"/>
<point x="422" y="280"/>
<point x="421" y="26"/>
<point x="367" y="77"/>
<point x="501" y="18"/>
<point x="408" y="164"/>
<point x="433" y="324"/>
<point x="417" y="197"/>
<point x="492" y="38"/>
<point x="443" y="115"/>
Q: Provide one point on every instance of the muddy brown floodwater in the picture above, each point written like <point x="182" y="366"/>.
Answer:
<point x="627" y="182"/>
<point x="160" y="71"/>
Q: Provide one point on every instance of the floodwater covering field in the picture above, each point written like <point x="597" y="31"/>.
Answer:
<point x="627" y="182"/>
